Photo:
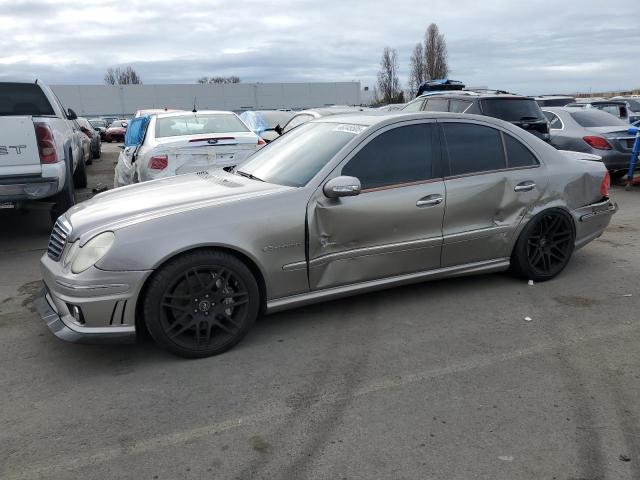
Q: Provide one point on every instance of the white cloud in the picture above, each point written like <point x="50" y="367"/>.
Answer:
<point x="530" y="47"/>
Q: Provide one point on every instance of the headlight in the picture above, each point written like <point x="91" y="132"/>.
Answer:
<point x="91" y="252"/>
<point x="71" y="253"/>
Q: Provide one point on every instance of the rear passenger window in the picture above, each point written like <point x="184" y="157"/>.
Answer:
<point x="401" y="155"/>
<point x="458" y="106"/>
<point x="437" y="105"/>
<point x="473" y="148"/>
<point x="554" y="120"/>
<point x="517" y="154"/>
<point x="414" y="106"/>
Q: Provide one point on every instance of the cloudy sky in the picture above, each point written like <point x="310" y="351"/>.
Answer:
<point x="539" y="46"/>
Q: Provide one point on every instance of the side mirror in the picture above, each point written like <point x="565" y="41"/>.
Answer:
<point x="633" y="131"/>
<point x="71" y="115"/>
<point x="278" y="129"/>
<point x="342" y="187"/>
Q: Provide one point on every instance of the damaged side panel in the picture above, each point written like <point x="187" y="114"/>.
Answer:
<point x="484" y="211"/>
<point x="376" y="234"/>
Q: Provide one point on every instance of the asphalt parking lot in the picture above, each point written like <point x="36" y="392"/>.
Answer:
<point x="442" y="380"/>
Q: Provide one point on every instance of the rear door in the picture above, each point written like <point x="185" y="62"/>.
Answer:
<point x="394" y="226"/>
<point x="493" y="180"/>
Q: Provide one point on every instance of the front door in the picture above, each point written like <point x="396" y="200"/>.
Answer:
<point x="494" y="179"/>
<point x="394" y="226"/>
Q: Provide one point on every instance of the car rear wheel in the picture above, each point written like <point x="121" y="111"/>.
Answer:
<point x="201" y="304"/>
<point x="545" y="246"/>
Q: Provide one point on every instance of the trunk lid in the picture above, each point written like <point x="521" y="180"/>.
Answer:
<point x="617" y="136"/>
<point x="195" y="153"/>
<point x="18" y="146"/>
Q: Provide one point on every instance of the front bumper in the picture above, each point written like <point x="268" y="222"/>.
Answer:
<point x="64" y="326"/>
<point x="95" y="306"/>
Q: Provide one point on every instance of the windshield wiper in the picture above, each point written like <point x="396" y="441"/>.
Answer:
<point x="248" y="175"/>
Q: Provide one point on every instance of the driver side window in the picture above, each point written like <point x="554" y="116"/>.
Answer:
<point x="395" y="157"/>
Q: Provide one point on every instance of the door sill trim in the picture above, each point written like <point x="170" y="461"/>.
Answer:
<point x="382" y="283"/>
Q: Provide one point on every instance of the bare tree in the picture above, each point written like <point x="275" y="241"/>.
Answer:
<point x="435" y="54"/>
<point x="219" y="80"/>
<point x="122" y="76"/>
<point x="416" y="69"/>
<point x="388" y="83"/>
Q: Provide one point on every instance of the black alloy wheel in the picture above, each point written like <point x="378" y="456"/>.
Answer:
<point x="201" y="304"/>
<point x="545" y="246"/>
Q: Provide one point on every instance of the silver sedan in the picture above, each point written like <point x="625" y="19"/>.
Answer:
<point x="338" y="206"/>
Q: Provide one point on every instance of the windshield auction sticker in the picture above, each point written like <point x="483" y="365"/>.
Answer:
<point x="349" y="128"/>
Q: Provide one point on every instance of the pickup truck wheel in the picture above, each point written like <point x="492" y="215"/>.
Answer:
<point x="80" y="175"/>
<point x="201" y="303"/>
<point x="66" y="198"/>
<point x="545" y="246"/>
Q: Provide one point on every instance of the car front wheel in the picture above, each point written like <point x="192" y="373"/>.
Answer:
<point x="545" y="246"/>
<point x="201" y="303"/>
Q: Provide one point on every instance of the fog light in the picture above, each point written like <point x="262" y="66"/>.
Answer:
<point x="77" y="314"/>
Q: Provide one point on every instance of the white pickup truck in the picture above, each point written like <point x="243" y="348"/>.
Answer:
<point x="41" y="153"/>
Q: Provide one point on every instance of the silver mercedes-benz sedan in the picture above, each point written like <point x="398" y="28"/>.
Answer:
<point x="338" y="206"/>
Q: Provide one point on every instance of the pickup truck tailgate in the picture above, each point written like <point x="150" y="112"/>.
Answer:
<point x="18" y="146"/>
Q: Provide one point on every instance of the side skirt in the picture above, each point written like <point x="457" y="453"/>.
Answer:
<point x="302" y="299"/>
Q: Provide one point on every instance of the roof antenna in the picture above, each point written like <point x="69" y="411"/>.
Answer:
<point x="194" y="105"/>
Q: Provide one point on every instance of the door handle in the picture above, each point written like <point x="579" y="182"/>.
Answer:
<point x="430" y="200"/>
<point x="524" y="187"/>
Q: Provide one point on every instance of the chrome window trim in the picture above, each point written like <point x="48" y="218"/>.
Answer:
<point x="453" y="177"/>
<point x="558" y="117"/>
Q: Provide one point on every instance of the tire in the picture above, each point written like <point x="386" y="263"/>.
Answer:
<point x="80" y="175"/>
<point x="545" y="246"/>
<point x="187" y="304"/>
<point x="66" y="198"/>
<point x="617" y="175"/>
<point x="98" y="152"/>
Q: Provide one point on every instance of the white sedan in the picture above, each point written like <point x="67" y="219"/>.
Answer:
<point x="168" y="144"/>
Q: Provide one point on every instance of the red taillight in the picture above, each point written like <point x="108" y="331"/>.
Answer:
<point x="158" y="162"/>
<point x="46" y="143"/>
<point x="599" y="143"/>
<point x="604" y="186"/>
<point x="261" y="141"/>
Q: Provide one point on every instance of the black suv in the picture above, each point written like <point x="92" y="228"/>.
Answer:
<point x="521" y="111"/>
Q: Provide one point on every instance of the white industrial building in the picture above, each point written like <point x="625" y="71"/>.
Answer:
<point x="88" y="100"/>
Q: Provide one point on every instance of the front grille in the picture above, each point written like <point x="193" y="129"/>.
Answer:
<point x="58" y="239"/>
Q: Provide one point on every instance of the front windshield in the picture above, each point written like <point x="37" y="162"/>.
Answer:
<point x="295" y="158"/>
<point x="97" y="123"/>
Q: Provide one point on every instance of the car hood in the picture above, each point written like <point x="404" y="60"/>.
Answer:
<point x="142" y="202"/>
